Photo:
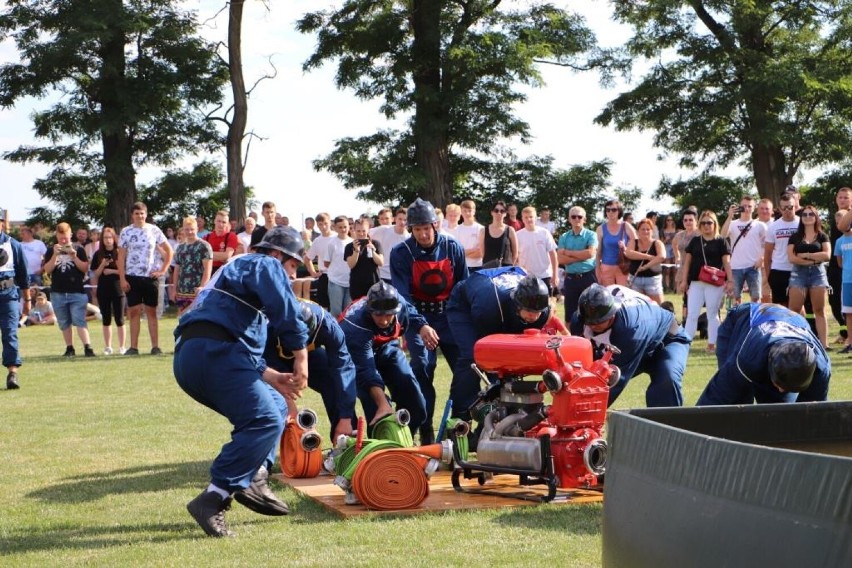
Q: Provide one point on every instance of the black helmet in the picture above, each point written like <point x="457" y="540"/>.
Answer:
<point x="285" y="240"/>
<point x="531" y="294"/>
<point x="791" y="365"/>
<point x="383" y="299"/>
<point x="421" y="212"/>
<point x="597" y="304"/>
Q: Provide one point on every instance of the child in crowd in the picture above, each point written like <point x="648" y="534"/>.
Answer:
<point x="41" y="313"/>
<point x="843" y="252"/>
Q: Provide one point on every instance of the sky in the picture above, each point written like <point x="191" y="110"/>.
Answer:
<point x="298" y="116"/>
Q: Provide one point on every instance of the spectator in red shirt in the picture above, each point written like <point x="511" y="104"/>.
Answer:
<point x="222" y="240"/>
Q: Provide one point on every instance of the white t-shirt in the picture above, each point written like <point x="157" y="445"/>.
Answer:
<point x="778" y="234"/>
<point x="550" y="226"/>
<point x="141" y="244"/>
<point x="244" y="239"/>
<point x="468" y="238"/>
<point x="534" y="248"/>
<point x="319" y="251"/>
<point x="388" y="238"/>
<point x="338" y="270"/>
<point x="750" y="246"/>
<point x="34" y="253"/>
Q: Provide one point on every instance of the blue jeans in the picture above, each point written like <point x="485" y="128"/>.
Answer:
<point x="223" y="376"/>
<point x="70" y="309"/>
<point x="338" y="298"/>
<point x="751" y="276"/>
<point x="10" y="313"/>
<point x="423" y="361"/>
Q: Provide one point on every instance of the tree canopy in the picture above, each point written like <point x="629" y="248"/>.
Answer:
<point x="449" y="69"/>
<point x="130" y="81"/>
<point x="766" y="84"/>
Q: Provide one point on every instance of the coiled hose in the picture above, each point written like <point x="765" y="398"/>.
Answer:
<point x="394" y="427"/>
<point x="299" y="450"/>
<point x="396" y="478"/>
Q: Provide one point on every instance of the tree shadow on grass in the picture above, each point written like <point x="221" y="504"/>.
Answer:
<point x="138" y="479"/>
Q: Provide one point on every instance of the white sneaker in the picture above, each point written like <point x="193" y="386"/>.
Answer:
<point x="122" y="350"/>
<point x="108" y="351"/>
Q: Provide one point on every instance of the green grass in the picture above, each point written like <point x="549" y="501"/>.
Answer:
<point x="101" y="456"/>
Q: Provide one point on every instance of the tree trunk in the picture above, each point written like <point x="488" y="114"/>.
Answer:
<point x="237" y="128"/>
<point x="770" y="173"/>
<point x="430" y="118"/>
<point x="119" y="174"/>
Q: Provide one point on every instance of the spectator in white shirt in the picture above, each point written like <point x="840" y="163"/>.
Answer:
<point x="467" y="234"/>
<point x="537" y="250"/>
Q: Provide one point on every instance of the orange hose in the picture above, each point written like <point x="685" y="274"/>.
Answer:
<point x="296" y="462"/>
<point x="394" y="479"/>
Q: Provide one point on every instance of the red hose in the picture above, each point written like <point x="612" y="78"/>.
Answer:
<point x="394" y="479"/>
<point x="296" y="462"/>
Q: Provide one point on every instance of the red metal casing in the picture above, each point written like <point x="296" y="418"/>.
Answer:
<point x="507" y="354"/>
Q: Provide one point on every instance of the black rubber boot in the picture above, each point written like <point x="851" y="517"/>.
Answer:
<point x="259" y="497"/>
<point x="208" y="510"/>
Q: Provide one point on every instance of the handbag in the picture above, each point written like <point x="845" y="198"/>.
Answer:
<point x="710" y="274"/>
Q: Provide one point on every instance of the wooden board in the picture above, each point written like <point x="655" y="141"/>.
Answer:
<point x="442" y="496"/>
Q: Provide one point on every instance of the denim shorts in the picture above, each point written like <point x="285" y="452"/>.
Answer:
<point x="649" y="285"/>
<point x="70" y="309"/>
<point x="808" y="276"/>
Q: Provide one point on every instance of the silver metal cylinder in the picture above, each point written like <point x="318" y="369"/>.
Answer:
<point x="510" y="452"/>
<point x="310" y="441"/>
<point x="306" y="418"/>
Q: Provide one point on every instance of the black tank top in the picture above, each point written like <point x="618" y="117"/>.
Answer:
<point x="499" y="247"/>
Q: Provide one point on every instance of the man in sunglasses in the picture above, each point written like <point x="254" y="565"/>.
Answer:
<point x="576" y="253"/>
<point x="775" y="249"/>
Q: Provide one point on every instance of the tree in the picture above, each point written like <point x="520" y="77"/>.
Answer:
<point x="450" y="67"/>
<point x="705" y="192"/>
<point x="761" y="83"/>
<point x="133" y="79"/>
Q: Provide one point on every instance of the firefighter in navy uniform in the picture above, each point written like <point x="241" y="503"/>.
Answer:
<point x="648" y="338"/>
<point x="372" y="326"/>
<point x="218" y="361"/>
<point x="14" y="288"/>
<point x="424" y="269"/>
<point x="767" y="354"/>
<point x="496" y="300"/>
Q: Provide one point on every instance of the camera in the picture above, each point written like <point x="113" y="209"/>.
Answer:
<point x="739" y="210"/>
<point x="66" y="249"/>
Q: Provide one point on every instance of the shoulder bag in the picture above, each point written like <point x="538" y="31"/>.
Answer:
<point x="710" y="274"/>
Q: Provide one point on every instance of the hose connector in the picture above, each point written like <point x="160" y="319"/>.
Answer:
<point x="403" y="417"/>
<point x="306" y="418"/>
<point x="310" y="441"/>
<point x="595" y="456"/>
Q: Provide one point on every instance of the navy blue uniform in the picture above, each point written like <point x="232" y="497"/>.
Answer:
<point x="244" y="298"/>
<point x="380" y="361"/>
<point x="424" y="278"/>
<point x="482" y="305"/>
<point x="13" y="277"/>
<point x="330" y="369"/>
<point x="650" y="341"/>
<point x="742" y="350"/>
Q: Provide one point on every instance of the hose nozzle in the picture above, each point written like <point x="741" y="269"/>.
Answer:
<point x="306" y="418"/>
<point x="403" y="417"/>
<point x="310" y="441"/>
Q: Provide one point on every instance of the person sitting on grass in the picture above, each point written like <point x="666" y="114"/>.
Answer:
<point x="41" y="313"/>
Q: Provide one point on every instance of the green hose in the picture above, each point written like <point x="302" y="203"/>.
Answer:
<point x="348" y="460"/>
<point x="461" y="441"/>
<point x="389" y="429"/>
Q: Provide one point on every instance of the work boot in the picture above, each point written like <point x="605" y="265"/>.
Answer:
<point x="12" y="381"/>
<point x="208" y="510"/>
<point x="427" y="435"/>
<point x="259" y="497"/>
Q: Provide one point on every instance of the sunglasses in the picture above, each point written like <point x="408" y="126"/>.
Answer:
<point x="808" y="214"/>
<point x="707" y="223"/>
<point x="576" y="216"/>
<point x="612" y="209"/>
<point x="786" y="208"/>
<point x="498" y="210"/>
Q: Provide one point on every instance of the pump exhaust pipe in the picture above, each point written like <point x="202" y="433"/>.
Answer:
<point x="306" y="419"/>
<point x="403" y="417"/>
<point x="310" y="441"/>
<point x="595" y="456"/>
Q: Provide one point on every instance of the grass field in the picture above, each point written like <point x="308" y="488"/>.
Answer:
<point x="101" y="456"/>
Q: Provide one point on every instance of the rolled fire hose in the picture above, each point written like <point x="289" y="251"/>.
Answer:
<point x="396" y="478"/>
<point x="300" y="446"/>
<point x="394" y="427"/>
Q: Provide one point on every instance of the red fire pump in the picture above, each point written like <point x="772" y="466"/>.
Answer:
<point x="558" y="445"/>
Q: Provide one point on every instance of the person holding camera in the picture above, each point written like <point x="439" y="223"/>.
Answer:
<point x="747" y="237"/>
<point x="68" y="265"/>
<point x="364" y="257"/>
